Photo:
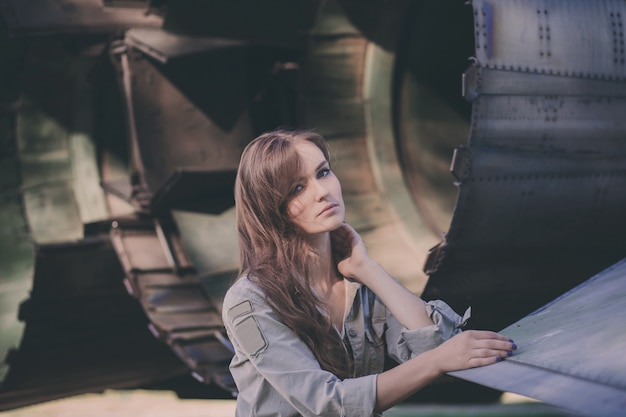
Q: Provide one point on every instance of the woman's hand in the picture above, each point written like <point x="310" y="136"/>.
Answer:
<point x="353" y="262"/>
<point x="349" y="251"/>
<point x="472" y="348"/>
<point x="468" y="349"/>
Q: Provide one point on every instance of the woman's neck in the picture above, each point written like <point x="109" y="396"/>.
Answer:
<point x="327" y="282"/>
<point x="322" y="269"/>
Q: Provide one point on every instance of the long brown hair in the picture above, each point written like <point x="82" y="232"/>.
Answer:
<point x="272" y="249"/>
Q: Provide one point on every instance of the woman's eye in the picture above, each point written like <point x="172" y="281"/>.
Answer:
<point x="324" y="172"/>
<point x="297" y="189"/>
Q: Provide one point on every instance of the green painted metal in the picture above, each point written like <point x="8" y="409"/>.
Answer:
<point x="16" y="249"/>
<point x="16" y="268"/>
<point x="49" y="180"/>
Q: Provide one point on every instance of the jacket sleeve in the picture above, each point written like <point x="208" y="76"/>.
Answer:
<point x="403" y="344"/>
<point x="265" y="346"/>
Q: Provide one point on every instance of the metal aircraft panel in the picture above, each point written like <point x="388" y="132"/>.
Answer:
<point x="542" y="178"/>
<point x="571" y="351"/>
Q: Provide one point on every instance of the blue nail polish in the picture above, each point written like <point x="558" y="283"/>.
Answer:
<point x="498" y="358"/>
<point x="514" y="347"/>
<point x="509" y="353"/>
<point x="511" y="340"/>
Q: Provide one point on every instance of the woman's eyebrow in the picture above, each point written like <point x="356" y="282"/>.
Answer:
<point x="320" y="165"/>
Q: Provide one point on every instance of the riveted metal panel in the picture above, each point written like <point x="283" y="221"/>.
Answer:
<point x="542" y="200"/>
<point x="543" y="123"/>
<point x="546" y="173"/>
<point x="575" y="38"/>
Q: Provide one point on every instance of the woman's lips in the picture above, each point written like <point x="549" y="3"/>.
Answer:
<point x="328" y="208"/>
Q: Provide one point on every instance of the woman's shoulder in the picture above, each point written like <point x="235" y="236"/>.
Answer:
<point x="243" y="298"/>
<point x="244" y="288"/>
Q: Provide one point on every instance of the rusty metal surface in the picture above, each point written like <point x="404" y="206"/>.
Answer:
<point x="37" y="17"/>
<point x="172" y="296"/>
<point x="571" y="351"/>
<point x="73" y="340"/>
<point x="164" y="46"/>
<point x="282" y="23"/>
<point x="164" y="104"/>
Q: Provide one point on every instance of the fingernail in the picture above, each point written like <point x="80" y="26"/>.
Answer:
<point x="514" y="347"/>
<point x="498" y="358"/>
<point x="509" y="353"/>
<point x="511" y="340"/>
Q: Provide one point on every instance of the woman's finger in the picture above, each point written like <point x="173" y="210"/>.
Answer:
<point x="492" y="340"/>
<point x="488" y="353"/>
<point x="476" y="362"/>
<point x="487" y="334"/>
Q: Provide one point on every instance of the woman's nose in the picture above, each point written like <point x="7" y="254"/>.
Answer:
<point x="321" y="191"/>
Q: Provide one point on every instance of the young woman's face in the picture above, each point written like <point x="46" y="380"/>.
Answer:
<point x="316" y="205"/>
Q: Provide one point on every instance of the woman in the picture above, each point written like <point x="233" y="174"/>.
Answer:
<point x="311" y="315"/>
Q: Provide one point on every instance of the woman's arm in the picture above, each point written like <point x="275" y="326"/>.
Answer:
<point x="466" y="350"/>
<point x="354" y="262"/>
<point x="406" y="307"/>
<point x="270" y="354"/>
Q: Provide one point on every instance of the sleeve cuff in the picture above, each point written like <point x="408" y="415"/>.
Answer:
<point x="359" y="394"/>
<point x="447" y="324"/>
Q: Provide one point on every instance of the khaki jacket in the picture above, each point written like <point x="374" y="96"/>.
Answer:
<point x="277" y="374"/>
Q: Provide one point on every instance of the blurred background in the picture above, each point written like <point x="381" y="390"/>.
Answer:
<point x="479" y="145"/>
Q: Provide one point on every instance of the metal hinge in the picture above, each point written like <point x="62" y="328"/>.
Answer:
<point x="461" y="163"/>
